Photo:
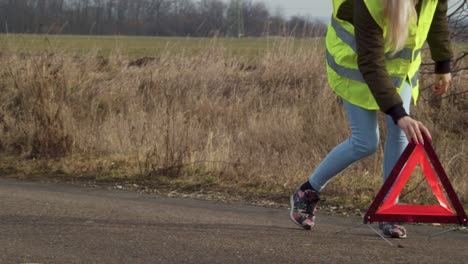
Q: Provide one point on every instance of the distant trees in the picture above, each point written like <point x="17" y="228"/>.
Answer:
<point x="458" y="19"/>
<point x="169" y="18"/>
<point x="150" y="17"/>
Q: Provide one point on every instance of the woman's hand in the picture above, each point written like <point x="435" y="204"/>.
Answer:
<point x="442" y="83"/>
<point x="414" y="130"/>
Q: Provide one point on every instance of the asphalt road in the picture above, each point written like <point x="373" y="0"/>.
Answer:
<point x="55" y="223"/>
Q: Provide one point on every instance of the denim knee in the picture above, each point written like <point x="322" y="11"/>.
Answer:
<point x="365" y="147"/>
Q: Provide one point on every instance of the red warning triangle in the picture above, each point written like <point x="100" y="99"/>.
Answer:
<point x="385" y="209"/>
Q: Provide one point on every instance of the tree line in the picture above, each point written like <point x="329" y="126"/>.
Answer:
<point x="198" y="18"/>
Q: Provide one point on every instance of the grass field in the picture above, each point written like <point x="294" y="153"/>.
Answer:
<point x="135" y="47"/>
<point x="196" y="117"/>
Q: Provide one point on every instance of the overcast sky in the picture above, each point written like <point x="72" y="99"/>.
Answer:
<point x="312" y="8"/>
<point x="321" y="9"/>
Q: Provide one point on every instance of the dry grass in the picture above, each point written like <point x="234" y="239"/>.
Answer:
<point x="207" y="120"/>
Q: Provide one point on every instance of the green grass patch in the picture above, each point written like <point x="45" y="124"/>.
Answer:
<point x="136" y="46"/>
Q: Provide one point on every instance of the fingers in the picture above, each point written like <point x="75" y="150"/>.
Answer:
<point x="415" y="133"/>
<point x="441" y="87"/>
<point x="438" y="89"/>
<point x="445" y="85"/>
<point x="425" y="131"/>
<point x="408" y="134"/>
<point x="442" y="83"/>
<point x="414" y="130"/>
<point x="411" y="130"/>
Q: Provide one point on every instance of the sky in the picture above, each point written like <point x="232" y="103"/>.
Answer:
<point x="319" y="9"/>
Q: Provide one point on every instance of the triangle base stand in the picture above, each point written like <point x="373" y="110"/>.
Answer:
<point x="453" y="229"/>
<point x="371" y="228"/>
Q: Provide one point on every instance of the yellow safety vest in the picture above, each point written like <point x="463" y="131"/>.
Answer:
<point x="343" y="73"/>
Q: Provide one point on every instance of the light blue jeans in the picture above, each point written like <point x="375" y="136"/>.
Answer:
<point x="363" y="142"/>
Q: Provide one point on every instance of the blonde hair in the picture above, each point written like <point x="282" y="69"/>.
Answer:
<point x="399" y="13"/>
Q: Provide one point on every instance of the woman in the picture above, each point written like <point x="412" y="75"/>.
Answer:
<point x="373" y="57"/>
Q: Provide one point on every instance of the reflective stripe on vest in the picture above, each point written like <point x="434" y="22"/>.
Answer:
<point x="415" y="78"/>
<point x="350" y="40"/>
<point x="354" y="74"/>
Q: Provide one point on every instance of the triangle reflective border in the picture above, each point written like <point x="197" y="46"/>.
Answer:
<point x="386" y="210"/>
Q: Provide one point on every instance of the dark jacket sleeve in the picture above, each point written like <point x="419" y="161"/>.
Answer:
<point x="439" y="39"/>
<point x="371" y="62"/>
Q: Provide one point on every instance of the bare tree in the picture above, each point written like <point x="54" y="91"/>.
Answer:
<point x="235" y="18"/>
<point x="157" y="9"/>
<point x="97" y="13"/>
<point x="255" y="18"/>
<point x="212" y="17"/>
<point x="134" y="16"/>
<point x="122" y="9"/>
<point x="458" y="20"/>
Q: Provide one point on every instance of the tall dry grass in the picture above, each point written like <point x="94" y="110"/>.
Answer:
<point x="209" y="119"/>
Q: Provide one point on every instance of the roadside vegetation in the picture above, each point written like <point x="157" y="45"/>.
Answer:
<point x="212" y="119"/>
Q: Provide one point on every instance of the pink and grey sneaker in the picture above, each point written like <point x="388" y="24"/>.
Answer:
<point x="393" y="230"/>
<point x="303" y="205"/>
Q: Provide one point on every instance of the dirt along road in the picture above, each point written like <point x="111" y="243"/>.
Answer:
<point x="57" y="223"/>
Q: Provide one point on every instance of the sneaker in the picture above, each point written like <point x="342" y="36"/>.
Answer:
<point x="303" y="205"/>
<point x="393" y="230"/>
